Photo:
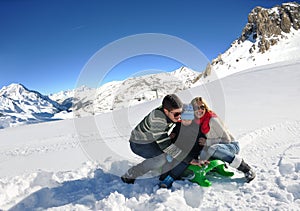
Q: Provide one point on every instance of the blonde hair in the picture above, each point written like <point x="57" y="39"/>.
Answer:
<point x="200" y="101"/>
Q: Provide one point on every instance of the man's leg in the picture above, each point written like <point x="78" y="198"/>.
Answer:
<point x="175" y="174"/>
<point x="154" y="159"/>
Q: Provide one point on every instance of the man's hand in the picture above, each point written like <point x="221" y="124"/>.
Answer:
<point x="202" y="141"/>
<point x="172" y="135"/>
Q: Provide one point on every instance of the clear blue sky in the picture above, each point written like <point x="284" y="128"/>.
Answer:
<point x="44" y="44"/>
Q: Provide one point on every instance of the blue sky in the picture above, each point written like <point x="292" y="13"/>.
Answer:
<point x="45" y="44"/>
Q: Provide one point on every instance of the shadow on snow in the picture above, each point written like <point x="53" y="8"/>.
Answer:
<point x="87" y="191"/>
<point x="84" y="191"/>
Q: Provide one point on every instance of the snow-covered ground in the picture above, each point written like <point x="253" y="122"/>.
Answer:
<point x="75" y="164"/>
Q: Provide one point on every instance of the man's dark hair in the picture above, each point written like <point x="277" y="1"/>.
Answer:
<point x="171" y="102"/>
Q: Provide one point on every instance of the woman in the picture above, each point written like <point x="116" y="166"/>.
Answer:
<point x="220" y="144"/>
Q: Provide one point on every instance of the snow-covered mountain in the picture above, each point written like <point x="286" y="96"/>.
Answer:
<point x="270" y="36"/>
<point x="119" y="94"/>
<point x="19" y="104"/>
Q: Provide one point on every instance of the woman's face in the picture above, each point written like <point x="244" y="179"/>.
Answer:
<point x="199" y="110"/>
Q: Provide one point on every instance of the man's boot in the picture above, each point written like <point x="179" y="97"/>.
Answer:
<point x="130" y="176"/>
<point x="167" y="182"/>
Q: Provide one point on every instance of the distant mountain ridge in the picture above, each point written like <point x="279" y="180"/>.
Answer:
<point x="19" y="95"/>
<point x="119" y="94"/>
<point x="19" y="105"/>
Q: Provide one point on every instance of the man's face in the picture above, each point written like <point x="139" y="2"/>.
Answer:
<point x="174" y="115"/>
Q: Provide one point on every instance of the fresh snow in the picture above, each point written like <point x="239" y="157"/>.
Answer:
<point x="75" y="164"/>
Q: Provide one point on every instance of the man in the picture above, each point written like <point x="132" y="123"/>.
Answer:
<point x="150" y="138"/>
<point x="185" y="135"/>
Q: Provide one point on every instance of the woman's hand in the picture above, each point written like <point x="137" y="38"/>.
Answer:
<point x="199" y="162"/>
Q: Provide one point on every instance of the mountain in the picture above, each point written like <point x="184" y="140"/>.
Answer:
<point x="20" y="105"/>
<point x="119" y="94"/>
<point x="270" y="36"/>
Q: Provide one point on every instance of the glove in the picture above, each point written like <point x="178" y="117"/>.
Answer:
<point x="169" y="158"/>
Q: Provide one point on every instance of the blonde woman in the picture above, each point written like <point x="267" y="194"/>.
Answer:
<point x="220" y="143"/>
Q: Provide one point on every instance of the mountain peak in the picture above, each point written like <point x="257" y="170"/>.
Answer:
<point x="19" y="105"/>
<point x="270" y="36"/>
<point x="267" y="25"/>
<point x="183" y="71"/>
<point x="13" y="89"/>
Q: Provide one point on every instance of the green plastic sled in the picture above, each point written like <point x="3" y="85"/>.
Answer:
<point x="200" y="172"/>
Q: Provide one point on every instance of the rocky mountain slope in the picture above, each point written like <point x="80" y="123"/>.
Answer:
<point x="271" y="35"/>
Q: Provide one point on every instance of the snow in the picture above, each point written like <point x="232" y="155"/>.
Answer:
<point x="75" y="164"/>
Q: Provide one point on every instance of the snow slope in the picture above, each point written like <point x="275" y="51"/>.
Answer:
<point x="76" y="164"/>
